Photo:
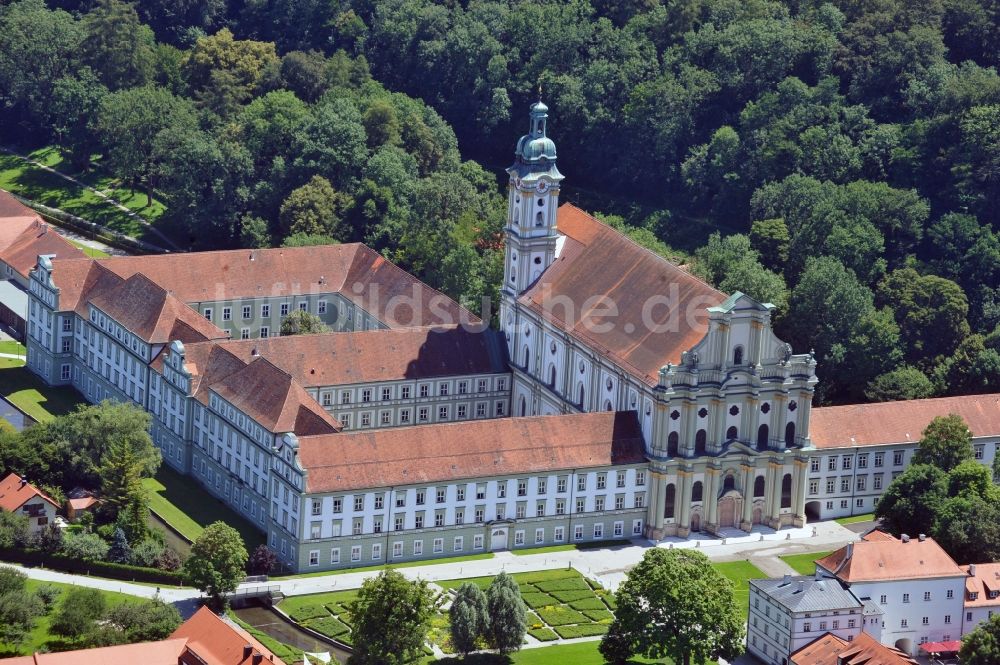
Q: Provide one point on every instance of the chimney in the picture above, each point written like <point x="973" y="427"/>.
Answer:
<point x="802" y="586"/>
<point x="254" y="352"/>
<point x="247" y="650"/>
<point x="904" y="538"/>
<point x="787" y="579"/>
<point x="922" y="537"/>
<point x="24" y="481"/>
<point x="972" y="570"/>
<point x="257" y="658"/>
<point x="850" y="550"/>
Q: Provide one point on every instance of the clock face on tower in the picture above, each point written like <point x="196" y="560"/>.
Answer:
<point x="542" y="186"/>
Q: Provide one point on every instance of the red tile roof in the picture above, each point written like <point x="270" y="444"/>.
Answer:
<point x="596" y="261"/>
<point x="332" y="359"/>
<point x="899" y="422"/>
<point x="22" y="253"/>
<point x="164" y="652"/>
<point x="14" y="493"/>
<point x="985" y="581"/>
<point x="878" y="558"/>
<point x="218" y="642"/>
<point x="15" y="219"/>
<point x="829" y="649"/>
<point x="470" y="449"/>
<point x="355" y="271"/>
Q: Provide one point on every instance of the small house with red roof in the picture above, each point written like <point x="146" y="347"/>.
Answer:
<point x="17" y="495"/>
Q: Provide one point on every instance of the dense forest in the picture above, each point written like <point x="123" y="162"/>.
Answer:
<point x="840" y="159"/>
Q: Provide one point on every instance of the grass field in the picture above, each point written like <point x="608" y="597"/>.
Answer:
<point x="28" y="393"/>
<point x="51" y="190"/>
<point x="89" y="251"/>
<point x="740" y="572"/>
<point x="804" y="564"/>
<point x="581" y="653"/>
<point x="10" y="346"/>
<point x="409" y="564"/>
<point x="40" y="635"/>
<point x="188" y="508"/>
<point x="854" y="519"/>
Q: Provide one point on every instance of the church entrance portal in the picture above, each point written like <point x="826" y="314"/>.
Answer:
<point x="498" y="539"/>
<point x="727" y="512"/>
<point x="812" y="511"/>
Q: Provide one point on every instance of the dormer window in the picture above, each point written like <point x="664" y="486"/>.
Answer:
<point x="974" y="595"/>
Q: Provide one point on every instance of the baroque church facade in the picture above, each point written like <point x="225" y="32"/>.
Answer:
<point x="593" y="322"/>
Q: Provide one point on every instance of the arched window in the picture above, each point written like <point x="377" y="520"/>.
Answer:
<point x="762" y="434"/>
<point x="789" y="435"/>
<point x="552" y="377"/>
<point x="581" y="395"/>
<point x="524" y="407"/>
<point x="672" y="443"/>
<point x="517" y="215"/>
<point x="669" y="501"/>
<point x="696" y="491"/>
<point x="729" y="483"/>
<point x="539" y="219"/>
<point x="758" y="486"/>
<point x="738" y="356"/>
<point x="607" y="405"/>
<point x="527" y="359"/>
<point x="700" y="442"/>
<point x="786" y="491"/>
<point x="732" y="434"/>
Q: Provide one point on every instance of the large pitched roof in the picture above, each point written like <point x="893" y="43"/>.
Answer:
<point x="899" y="422"/>
<point x="829" y="649"/>
<point x="218" y="642"/>
<point x="357" y="272"/>
<point x="22" y="252"/>
<point x="164" y="652"/>
<point x="983" y="578"/>
<point x="597" y="262"/>
<point x="150" y="312"/>
<point x="882" y="559"/>
<point x="15" y="219"/>
<point x="807" y="594"/>
<point x="471" y="449"/>
<point x="14" y="493"/>
<point x="333" y="359"/>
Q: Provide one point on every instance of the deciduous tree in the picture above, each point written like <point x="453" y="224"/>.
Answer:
<point x="946" y="443"/>
<point x="391" y="617"/>
<point x="217" y="561"/>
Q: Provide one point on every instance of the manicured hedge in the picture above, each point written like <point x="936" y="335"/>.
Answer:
<point x="573" y="594"/>
<point x="329" y="626"/>
<point x="589" y="603"/>
<point x="538" y="599"/>
<point x="568" y="584"/>
<point x="583" y="630"/>
<point x="308" y="612"/>
<point x="118" y="571"/>
<point x="600" y="615"/>
<point x="560" y="616"/>
<point x="543" y="634"/>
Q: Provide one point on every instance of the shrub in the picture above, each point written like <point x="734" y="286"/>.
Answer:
<point x="146" y="553"/>
<point x="543" y="634"/>
<point x="570" y="596"/>
<point x="569" y="584"/>
<point x="560" y="616"/>
<point x="583" y="630"/>
<point x="600" y="616"/>
<point x="307" y="612"/>
<point x="169" y="560"/>
<point x="538" y="599"/>
<point x="609" y="599"/>
<point x="590" y="603"/>
<point x="329" y="626"/>
<point x="100" y="568"/>
<point x="48" y="594"/>
<point x="85" y="547"/>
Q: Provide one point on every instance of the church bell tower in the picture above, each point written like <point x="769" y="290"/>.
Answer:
<point x="533" y="197"/>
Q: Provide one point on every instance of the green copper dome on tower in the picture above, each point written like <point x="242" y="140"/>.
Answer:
<point x="536" y="153"/>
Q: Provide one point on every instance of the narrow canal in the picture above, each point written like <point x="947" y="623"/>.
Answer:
<point x="268" y="622"/>
<point x="15" y="416"/>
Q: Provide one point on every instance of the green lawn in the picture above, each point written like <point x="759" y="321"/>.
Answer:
<point x="49" y="189"/>
<point x="10" y="346"/>
<point x="804" y="564"/>
<point x="854" y="519"/>
<point x="740" y="572"/>
<point x="40" y="635"/>
<point x="570" y="546"/>
<point x="182" y="503"/>
<point x="286" y="653"/>
<point x="408" y="564"/>
<point x="28" y="393"/>
<point x="89" y="251"/>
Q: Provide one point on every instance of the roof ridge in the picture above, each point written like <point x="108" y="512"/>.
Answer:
<point x="645" y="249"/>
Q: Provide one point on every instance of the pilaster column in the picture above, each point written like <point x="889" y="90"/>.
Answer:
<point x="775" y="470"/>
<point x="799" y="479"/>
<point x="690" y="416"/>
<point x="748" y="477"/>
<point x="654" y="514"/>
<point x="711" y="498"/>
<point x="683" y="500"/>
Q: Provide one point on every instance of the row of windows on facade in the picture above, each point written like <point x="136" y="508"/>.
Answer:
<point x="847" y="461"/>
<point x="265" y="310"/>
<point x="520" y="488"/>
<point x="479" y="515"/>
<point x="764" y="441"/>
<point x="423" y="414"/>
<point x="597" y="532"/>
<point x="860" y="483"/>
<point x="728" y="484"/>
<point x="423" y="390"/>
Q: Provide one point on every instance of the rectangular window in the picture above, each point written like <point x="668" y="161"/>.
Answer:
<point x="460" y="493"/>
<point x="602" y="481"/>
<point x="561" y="484"/>
<point x="481" y="386"/>
<point x="335" y="555"/>
<point x="499" y="410"/>
<point x="366" y="419"/>
<point x="502" y="489"/>
<point x="244" y="333"/>
<point x="619" y="502"/>
<point x="814" y="464"/>
<point x="581" y="483"/>
<point x="376" y="551"/>
<point x="247" y="312"/>
<point x="877" y="482"/>
<point x="863" y="461"/>
<point x="558" y="534"/>
<point x="404" y="416"/>
<point x="208" y="313"/>
<point x="284" y="309"/>
<point x="443" y="389"/>
<point x="906" y="597"/>
<point x="878" y="459"/>
<point x="640" y="500"/>
<point x="425" y="390"/>
<point x="422" y="414"/>
<point x="831" y="464"/>
<point x="477" y="542"/>
<point x="303" y="306"/>
<point x="540" y="509"/>
<point x="404" y="392"/>
<point x="386" y="394"/>
<point x="897" y="458"/>
<point x="539" y="536"/>
<point x="813" y="486"/>
<point x="356" y="553"/>
<point x="442" y="413"/>
<point x="314" y="557"/>
<point x="439" y="519"/>
<point x="379" y="502"/>
<point x="861" y="483"/>
<point x="598" y="503"/>
<point x="385" y="417"/>
<point x="640" y="478"/>
<point x="438" y="545"/>
<point x="480" y="410"/>
<point x="227" y="313"/>
<point x="847" y="462"/>
<point x="397" y="550"/>
<point x="542" y="486"/>
<point x="463" y="411"/>
<point x="459" y="544"/>
<point x="518" y="538"/>
<point x="580" y="505"/>
<point x="522" y="487"/>
<point x="978" y="451"/>
<point x="265" y="311"/>
<point x="578" y="532"/>
<point x="845" y="484"/>
<point x="459" y="516"/>
<point x="359" y="503"/>
<point x="321" y="307"/>
<point x="598" y="531"/>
